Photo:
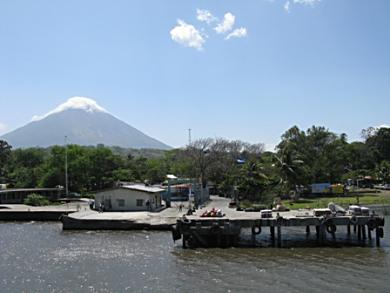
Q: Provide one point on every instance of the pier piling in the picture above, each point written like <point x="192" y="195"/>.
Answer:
<point x="322" y="233"/>
<point x="279" y="231"/>
<point x="272" y="232"/>
<point x="359" y="228"/>
<point x="377" y="236"/>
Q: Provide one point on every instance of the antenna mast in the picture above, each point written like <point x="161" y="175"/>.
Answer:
<point x="66" y="166"/>
<point x="189" y="136"/>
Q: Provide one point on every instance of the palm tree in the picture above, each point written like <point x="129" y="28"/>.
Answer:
<point x="288" y="164"/>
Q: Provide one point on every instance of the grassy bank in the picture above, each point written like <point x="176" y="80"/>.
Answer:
<point x="364" y="199"/>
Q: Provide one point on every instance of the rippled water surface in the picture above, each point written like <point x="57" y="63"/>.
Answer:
<point x="40" y="257"/>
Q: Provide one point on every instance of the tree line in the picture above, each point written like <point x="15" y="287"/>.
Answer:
<point x="234" y="167"/>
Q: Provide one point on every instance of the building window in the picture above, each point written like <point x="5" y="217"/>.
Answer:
<point x="140" y="202"/>
<point x="121" y="202"/>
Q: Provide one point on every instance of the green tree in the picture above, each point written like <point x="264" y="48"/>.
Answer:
<point x="379" y="141"/>
<point x="102" y="164"/>
<point x="25" y="167"/>
<point x="5" y="154"/>
<point x="359" y="156"/>
<point x="253" y="183"/>
<point x="383" y="172"/>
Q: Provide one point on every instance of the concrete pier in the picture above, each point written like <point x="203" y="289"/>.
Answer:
<point x="94" y="220"/>
<point x="206" y="231"/>
<point x="20" y="212"/>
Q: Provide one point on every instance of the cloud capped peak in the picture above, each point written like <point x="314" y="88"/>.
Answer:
<point x="79" y="103"/>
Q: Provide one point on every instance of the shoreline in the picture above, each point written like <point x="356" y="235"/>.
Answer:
<point x="74" y="217"/>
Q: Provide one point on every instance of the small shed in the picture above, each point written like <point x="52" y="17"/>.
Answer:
<point x="132" y="197"/>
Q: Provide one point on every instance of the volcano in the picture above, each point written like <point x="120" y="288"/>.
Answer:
<point x="83" y="122"/>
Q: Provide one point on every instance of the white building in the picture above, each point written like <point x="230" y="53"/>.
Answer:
<point x="134" y="197"/>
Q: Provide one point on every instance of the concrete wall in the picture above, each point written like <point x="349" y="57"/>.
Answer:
<point x="15" y="196"/>
<point x="32" y="215"/>
<point x="112" y="200"/>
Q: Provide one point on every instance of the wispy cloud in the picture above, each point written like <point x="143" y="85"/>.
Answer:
<point x="237" y="33"/>
<point x="287" y="6"/>
<point x="288" y="3"/>
<point x="187" y="35"/>
<point x="306" y="2"/>
<point x="227" y="24"/>
<point x="78" y="103"/>
<point x="206" y="16"/>
<point x="3" y="128"/>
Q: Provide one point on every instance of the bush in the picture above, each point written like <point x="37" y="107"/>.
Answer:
<point x="36" y="200"/>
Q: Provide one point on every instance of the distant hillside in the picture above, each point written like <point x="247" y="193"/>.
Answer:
<point x="84" y="123"/>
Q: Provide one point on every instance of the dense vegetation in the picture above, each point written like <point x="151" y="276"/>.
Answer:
<point x="235" y="167"/>
<point x="36" y="200"/>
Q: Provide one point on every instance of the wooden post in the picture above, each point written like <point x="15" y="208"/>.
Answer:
<point x="272" y="232"/>
<point x="322" y="233"/>
<point x="369" y="234"/>
<point x="318" y="232"/>
<point x="363" y="231"/>
<point x="307" y="229"/>
<point x="349" y="229"/>
<point x="279" y="231"/>
<point x="359" y="232"/>
<point x="184" y="241"/>
<point x="253" y="239"/>
<point x="378" y="241"/>
<point x="354" y="229"/>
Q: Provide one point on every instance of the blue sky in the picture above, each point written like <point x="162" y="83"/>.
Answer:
<point x="316" y="63"/>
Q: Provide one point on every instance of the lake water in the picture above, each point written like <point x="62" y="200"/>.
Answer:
<point x="40" y="257"/>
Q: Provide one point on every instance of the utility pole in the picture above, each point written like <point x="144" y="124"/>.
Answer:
<point x="66" y="167"/>
<point x="189" y="136"/>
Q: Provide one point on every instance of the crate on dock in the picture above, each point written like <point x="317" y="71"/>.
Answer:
<point x="264" y="214"/>
<point x="322" y="212"/>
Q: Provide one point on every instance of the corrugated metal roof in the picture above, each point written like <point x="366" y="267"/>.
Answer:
<point x="150" y="189"/>
<point x="29" y="189"/>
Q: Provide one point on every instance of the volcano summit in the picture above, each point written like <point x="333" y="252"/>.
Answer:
<point x="84" y="122"/>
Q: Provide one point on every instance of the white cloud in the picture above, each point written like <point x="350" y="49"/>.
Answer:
<point x="306" y="2"/>
<point x="80" y="103"/>
<point x="226" y="25"/>
<point x="287" y="6"/>
<point x="205" y="16"/>
<point x="383" y="126"/>
<point x="237" y="33"/>
<point x="187" y="35"/>
<point x="3" y="128"/>
<point x="288" y="3"/>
